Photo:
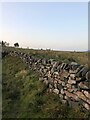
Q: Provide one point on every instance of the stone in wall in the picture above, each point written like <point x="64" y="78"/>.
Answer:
<point x="86" y="106"/>
<point x="56" y="91"/>
<point x="88" y="76"/>
<point x="72" y="96"/>
<point x="87" y="94"/>
<point x="83" y="86"/>
<point x="71" y="81"/>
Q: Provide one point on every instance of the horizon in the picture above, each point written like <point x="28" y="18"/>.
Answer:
<point x="55" y="26"/>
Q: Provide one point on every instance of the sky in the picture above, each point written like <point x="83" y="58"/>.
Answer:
<point x="52" y="25"/>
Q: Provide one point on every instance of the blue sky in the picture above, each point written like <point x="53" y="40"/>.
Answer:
<point x="59" y="26"/>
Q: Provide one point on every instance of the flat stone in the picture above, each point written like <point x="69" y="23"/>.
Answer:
<point x="68" y="85"/>
<point x="45" y="70"/>
<point x="81" y="95"/>
<point x="65" y="97"/>
<point x="65" y="88"/>
<point x="86" y="106"/>
<point x="70" y="90"/>
<point x="64" y="74"/>
<point x="56" y="73"/>
<point x="79" y="73"/>
<point x="74" y="63"/>
<point x="62" y="91"/>
<point x="60" y="82"/>
<point x="84" y="71"/>
<point x="55" y="86"/>
<point x="59" y="86"/>
<point x="72" y="76"/>
<point x="79" y="68"/>
<point x="72" y="72"/>
<point x="71" y="95"/>
<point x="55" y="64"/>
<point x="55" y="81"/>
<point x="50" y="86"/>
<point x="63" y="83"/>
<point x="71" y="81"/>
<point x="62" y="65"/>
<point x="78" y="79"/>
<point x="49" y="74"/>
<point x="87" y="94"/>
<point x="83" y="86"/>
<point x="88" y="101"/>
<point x="56" y="91"/>
<point x="88" y="76"/>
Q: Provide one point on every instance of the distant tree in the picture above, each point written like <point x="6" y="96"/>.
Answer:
<point x="16" y="45"/>
<point x="3" y="44"/>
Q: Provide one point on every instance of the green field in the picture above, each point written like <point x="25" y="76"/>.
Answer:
<point x="24" y="96"/>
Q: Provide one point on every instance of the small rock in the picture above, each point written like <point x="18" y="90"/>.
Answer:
<point x="84" y="71"/>
<point x="59" y="86"/>
<point x="71" y="81"/>
<point x="86" y="106"/>
<point x="68" y="85"/>
<point x="50" y="86"/>
<point x="45" y="70"/>
<point x="56" y="73"/>
<point x="56" y="91"/>
<point x="55" y="86"/>
<point x="71" y="95"/>
<point x="88" y="75"/>
<point x="63" y="83"/>
<point x="79" y="73"/>
<point x="65" y="97"/>
<point x="72" y="72"/>
<point x="78" y="79"/>
<point x="59" y="81"/>
<point x="62" y="91"/>
<point x="87" y="94"/>
<point x="83" y="86"/>
<point x="81" y="95"/>
<point x="72" y="76"/>
<point x="70" y="90"/>
<point x="88" y="101"/>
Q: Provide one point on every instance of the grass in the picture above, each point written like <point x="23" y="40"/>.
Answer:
<point x="24" y="96"/>
<point x="66" y="56"/>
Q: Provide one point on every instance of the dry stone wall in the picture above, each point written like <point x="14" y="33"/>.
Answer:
<point x="71" y="82"/>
